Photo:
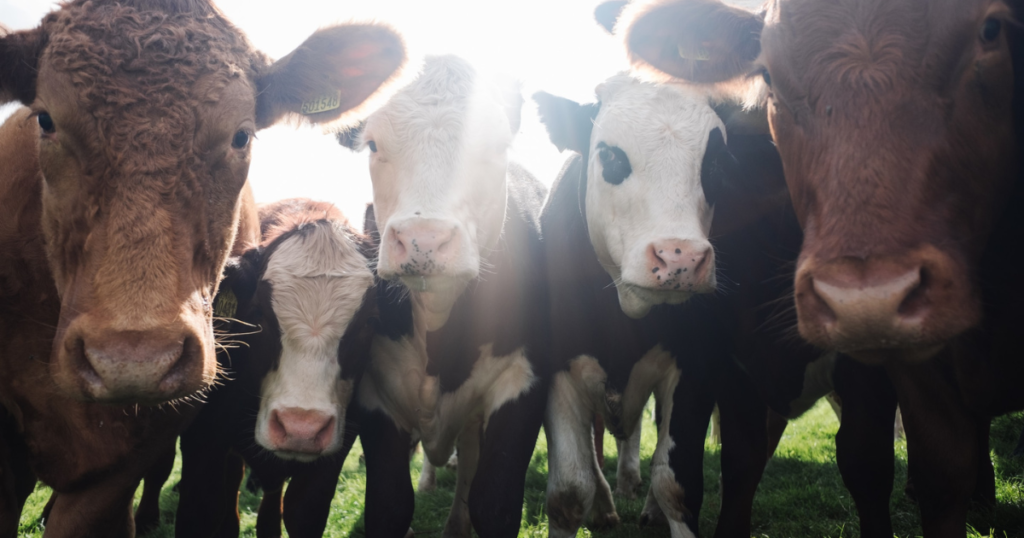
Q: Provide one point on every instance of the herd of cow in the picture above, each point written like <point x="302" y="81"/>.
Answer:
<point x="856" y="158"/>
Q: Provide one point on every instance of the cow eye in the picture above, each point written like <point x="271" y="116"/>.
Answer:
<point x="46" y="123"/>
<point x="614" y="163"/>
<point x="990" y="30"/>
<point x="372" y="145"/>
<point x="767" y="77"/>
<point x="240" y="140"/>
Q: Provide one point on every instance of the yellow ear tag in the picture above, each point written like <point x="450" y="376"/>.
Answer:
<point x="226" y="304"/>
<point x="328" y="101"/>
<point x="701" y="54"/>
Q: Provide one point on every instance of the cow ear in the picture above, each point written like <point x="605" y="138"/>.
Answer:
<point x="569" y="123"/>
<point x="607" y="14"/>
<point x="510" y="95"/>
<point x="702" y="41"/>
<point x="19" y="63"/>
<point x="351" y="138"/>
<point x="333" y="72"/>
<point x="370" y="242"/>
<point x="238" y="286"/>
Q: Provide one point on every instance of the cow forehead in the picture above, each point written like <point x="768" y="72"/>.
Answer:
<point x="651" y="122"/>
<point x="817" y="47"/>
<point x="144" y="84"/>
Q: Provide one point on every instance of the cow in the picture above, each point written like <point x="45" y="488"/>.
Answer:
<point x="463" y="359"/>
<point x="667" y="184"/>
<point x="900" y="129"/>
<point x="124" y="191"/>
<point x="305" y="312"/>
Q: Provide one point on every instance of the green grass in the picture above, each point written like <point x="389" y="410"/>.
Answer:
<point x="801" y="494"/>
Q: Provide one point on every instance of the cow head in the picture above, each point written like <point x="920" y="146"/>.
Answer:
<point x="144" y="148"/>
<point x="310" y="292"/>
<point x="895" y="122"/>
<point x="438" y="161"/>
<point x="656" y="157"/>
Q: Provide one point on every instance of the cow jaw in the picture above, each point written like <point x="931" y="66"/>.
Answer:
<point x="649" y="225"/>
<point x="318" y="280"/>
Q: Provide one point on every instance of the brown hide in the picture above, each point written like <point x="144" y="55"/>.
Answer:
<point x="122" y="192"/>
<point x="894" y="120"/>
<point x="143" y="146"/>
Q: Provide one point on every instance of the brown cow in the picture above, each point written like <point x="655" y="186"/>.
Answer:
<point x="900" y="126"/>
<point x="123" y="191"/>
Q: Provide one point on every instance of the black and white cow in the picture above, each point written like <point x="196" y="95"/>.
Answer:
<point x="305" y="312"/>
<point x="463" y="362"/>
<point x="661" y="169"/>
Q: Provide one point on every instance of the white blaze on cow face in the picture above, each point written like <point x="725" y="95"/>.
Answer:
<point x="646" y="211"/>
<point x="318" y="279"/>
<point x="438" y="163"/>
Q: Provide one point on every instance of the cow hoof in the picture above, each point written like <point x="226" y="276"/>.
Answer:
<point x="627" y="492"/>
<point x="604" y="521"/>
<point x="653" y="519"/>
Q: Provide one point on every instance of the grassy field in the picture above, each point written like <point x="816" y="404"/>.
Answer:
<point x="801" y="495"/>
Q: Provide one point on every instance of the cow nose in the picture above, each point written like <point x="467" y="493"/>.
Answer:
<point x="294" y="429"/>
<point x="865" y="308"/>
<point x="421" y="246"/>
<point x="681" y="264"/>
<point x="140" y="366"/>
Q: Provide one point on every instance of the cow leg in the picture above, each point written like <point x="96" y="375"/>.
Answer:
<point x="628" y="482"/>
<point x="573" y="475"/>
<point x="389" y="496"/>
<point x="684" y="407"/>
<point x="985" y="487"/>
<point x="147" y="515"/>
<point x="652" y="514"/>
<point x="428" y="477"/>
<point x="307" y="504"/>
<point x="510" y="434"/>
<point x="458" y="524"/>
<point x="17" y="480"/>
<point x="776" y="428"/>
<point x="101" y="511"/>
<point x="942" y="444"/>
<point x="864" y="445"/>
<point x="230" y="521"/>
<point x="268" y="516"/>
<point x="744" y="453"/>
<point x="599" y="441"/>
<point x="202" y="489"/>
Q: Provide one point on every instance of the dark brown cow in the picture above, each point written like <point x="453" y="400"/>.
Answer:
<point x="900" y="127"/>
<point x="123" y="191"/>
<point x="306" y="314"/>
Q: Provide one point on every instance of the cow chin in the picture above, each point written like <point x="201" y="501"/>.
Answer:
<point x="636" y="301"/>
<point x="435" y="296"/>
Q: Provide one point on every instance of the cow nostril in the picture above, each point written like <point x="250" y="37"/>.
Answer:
<point x="324" y="436"/>
<point x="277" y="431"/>
<point x="446" y="244"/>
<point x="915" y="302"/>
<point x="818" y="305"/>
<point x="656" y="260"/>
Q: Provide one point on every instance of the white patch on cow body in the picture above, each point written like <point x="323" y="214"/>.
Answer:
<point x="576" y="394"/>
<point x="442" y="156"/>
<point x="397" y="384"/>
<point x="664" y="131"/>
<point x="318" y="280"/>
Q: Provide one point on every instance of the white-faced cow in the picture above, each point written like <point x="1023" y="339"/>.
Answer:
<point x="628" y="231"/>
<point x="463" y="358"/>
<point x="123" y="188"/>
<point x="899" y="123"/>
<point x="305" y="309"/>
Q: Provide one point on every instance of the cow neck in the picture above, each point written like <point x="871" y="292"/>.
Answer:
<point x="585" y="313"/>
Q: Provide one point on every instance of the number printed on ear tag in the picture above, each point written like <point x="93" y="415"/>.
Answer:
<point x="226" y="304"/>
<point x="323" y="103"/>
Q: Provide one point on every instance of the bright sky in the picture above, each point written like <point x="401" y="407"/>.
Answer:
<point x="551" y="45"/>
